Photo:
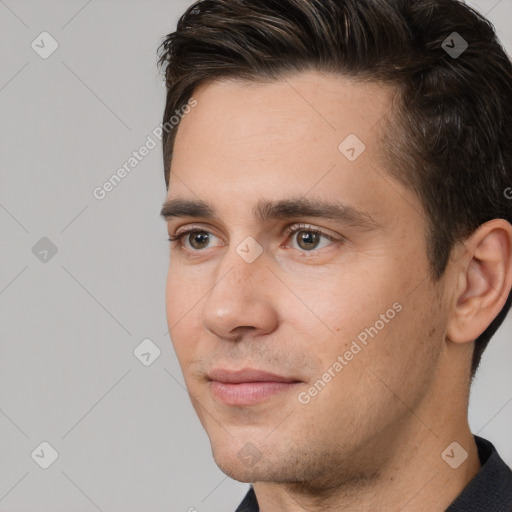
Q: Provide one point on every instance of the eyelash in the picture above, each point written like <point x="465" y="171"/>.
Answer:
<point x="290" y="231"/>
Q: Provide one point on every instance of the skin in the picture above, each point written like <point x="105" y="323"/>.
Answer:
<point x="372" y="438"/>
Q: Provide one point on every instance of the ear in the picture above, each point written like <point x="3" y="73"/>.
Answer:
<point x="484" y="275"/>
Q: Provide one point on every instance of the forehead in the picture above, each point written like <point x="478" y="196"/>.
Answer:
<point x="304" y="107"/>
<point x="282" y="138"/>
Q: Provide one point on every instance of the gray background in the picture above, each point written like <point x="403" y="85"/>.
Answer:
<point x="126" y="435"/>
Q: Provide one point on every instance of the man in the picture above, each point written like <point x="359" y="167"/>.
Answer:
<point x="341" y="246"/>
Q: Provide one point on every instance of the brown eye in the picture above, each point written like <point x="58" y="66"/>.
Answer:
<point x="198" y="239"/>
<point x="193" y="240"/>
<point x="307" y="240"/>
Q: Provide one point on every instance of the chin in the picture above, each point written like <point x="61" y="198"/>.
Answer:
<point x="246" y="464"/>
<point x="234" y="471"/>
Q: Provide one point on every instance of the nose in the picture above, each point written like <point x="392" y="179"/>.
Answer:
<point x="242" y="300"/>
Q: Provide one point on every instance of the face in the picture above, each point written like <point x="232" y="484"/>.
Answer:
<point x="301" y="258"/>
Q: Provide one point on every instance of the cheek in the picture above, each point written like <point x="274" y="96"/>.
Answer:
<point x="337" y="308"/>
<point x="403" y="358"/>
<point x="183" y="292"/>
<point x="182" y="307"/>
<point x="369" y="318"/>
<point x="173" y="297"/>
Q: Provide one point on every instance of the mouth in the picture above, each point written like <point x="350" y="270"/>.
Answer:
<point x="247" y="386"/>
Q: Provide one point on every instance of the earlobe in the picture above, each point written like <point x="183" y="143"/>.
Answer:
<point x="485" y="282"/>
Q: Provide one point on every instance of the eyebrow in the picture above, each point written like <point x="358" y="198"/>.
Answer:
<point x="270" y="210"/>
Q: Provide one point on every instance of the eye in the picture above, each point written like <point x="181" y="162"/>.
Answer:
<point x="197" y="239"/>
<point x="309" y="237"/>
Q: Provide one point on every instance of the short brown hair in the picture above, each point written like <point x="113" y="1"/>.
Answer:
<point x="453" y="146"/>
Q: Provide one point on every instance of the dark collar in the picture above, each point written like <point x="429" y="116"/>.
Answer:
<point x="491" y="488"/>
<point x="489" y="491"/>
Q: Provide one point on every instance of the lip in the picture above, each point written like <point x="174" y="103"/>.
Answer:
<point x="247" y="386"/>
<point x="247" y="375"/>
